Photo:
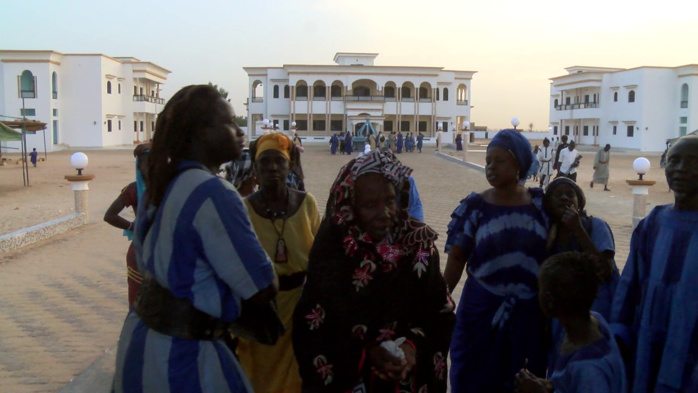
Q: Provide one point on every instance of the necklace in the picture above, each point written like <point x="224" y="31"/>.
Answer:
<point x="281" y="255"/>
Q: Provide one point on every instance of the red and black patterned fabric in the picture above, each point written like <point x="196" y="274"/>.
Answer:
<point x="359" y="293"/>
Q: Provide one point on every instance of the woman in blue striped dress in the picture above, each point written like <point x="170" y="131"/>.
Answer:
<point x="198" y="253"/>
<point x="500" y="235"/>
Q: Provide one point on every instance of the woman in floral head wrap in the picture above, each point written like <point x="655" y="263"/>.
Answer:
<point x="374" y="312"/>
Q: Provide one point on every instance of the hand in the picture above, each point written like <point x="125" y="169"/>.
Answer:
<point x="410" y="358"/>
<point x="570" y="220"/>
<point x="526" y="382"/>
<point x="386" y="366"/>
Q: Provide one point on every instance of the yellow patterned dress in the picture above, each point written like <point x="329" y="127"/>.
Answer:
<point x="273" y="369"/>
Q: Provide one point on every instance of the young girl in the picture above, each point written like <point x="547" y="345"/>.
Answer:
<point x="588" y="359"/>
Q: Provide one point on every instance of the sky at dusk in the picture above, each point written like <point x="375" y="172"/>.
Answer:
<point x="515" y="46"/>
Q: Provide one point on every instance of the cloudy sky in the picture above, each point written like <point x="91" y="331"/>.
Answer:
<point x="515" y="46"/>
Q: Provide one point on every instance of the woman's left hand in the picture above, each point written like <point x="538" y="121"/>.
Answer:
<point x="410" y="358"/>
<point x="571" y="220"/>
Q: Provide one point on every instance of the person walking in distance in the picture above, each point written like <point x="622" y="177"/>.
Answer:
<point x="603" y="156"/>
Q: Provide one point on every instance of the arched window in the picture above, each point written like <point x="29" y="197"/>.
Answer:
<point x="336" y="91"/>
<point x="406" y="92"/>
<point x="631" y="96"/>
<point x="54" y="85"/>
<point x="437" y="94"/>
<point x="319" y="91"/>
<point x="684" y="95"/>
<point x="615" y="96"/>
<point x="423" y="92"/>
<point x="445" y="93"/>
<point x="27" y="85"/>
<point x="362" y="91"/>
<point x="389" y="91"/>
<point x="276" y="91"/>
<point x="287" y="91"/>
<point x="108" y="87"/>
<point x="302" y="91"/>
<point x="555" y="104"/>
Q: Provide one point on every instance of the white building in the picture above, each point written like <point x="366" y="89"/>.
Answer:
<point x="86" y="100"/>
<point x="638" y="108"/>
<point x="327" y="99"/>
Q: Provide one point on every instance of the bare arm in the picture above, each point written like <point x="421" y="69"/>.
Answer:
<point x="454" y="267"/>
<point x="112" y="214"/>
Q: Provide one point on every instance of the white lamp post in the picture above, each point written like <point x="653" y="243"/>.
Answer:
<point x="79" y="183"/>
<point x="515" y="122"/>
<point x="641" y="188"/>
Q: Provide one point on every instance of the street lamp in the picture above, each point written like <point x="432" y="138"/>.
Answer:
<point x="641" y="165"/>
<point x="79" y="162"/>
<point x="269" y="126"/>
<point x="641" y="188"/>
<point x="515" y="122"/>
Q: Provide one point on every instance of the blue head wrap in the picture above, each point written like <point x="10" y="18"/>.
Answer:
<point x="518" y="145"/>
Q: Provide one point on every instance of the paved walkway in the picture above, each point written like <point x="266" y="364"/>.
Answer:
<point x="61" y="307"/>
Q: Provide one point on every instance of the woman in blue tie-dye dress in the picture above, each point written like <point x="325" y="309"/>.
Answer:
<point x="500" y="236"/>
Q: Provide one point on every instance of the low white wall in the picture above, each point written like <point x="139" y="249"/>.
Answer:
<point x="27" y="236"/>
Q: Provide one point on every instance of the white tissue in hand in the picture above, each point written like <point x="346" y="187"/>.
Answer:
<point x="393" y="347"/>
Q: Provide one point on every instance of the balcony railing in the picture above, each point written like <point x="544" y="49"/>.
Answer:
<point x="257" y="99"/>
<point x="337" y="98"/>
<point x="462" y="102"/>
<point x="426" y="99"/>
<point x="581" y="105"/>
<point x="144" y="98"/>
<point x="301" y="98"/>
<point x="365" y="98"/>
<point x="321" y="98"/>
<point x="684" y="104"/>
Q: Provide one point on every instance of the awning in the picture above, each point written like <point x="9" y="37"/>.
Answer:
<point x="29" y="125"/>
<point x="8" y="134"/>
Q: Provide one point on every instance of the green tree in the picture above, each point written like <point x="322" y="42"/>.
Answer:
<point x="223" y="92"/>
<point x="241" y="121"/>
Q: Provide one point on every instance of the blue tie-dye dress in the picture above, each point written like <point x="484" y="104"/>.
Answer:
<point x="499" y="323"/>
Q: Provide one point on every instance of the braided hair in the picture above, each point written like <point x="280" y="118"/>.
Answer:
<point x="190" y="110"/>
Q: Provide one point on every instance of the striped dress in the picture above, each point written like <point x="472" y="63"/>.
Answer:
<point x="200" y="245"/>
<point x="499" y="323"/>
<point x="655" y="309"/>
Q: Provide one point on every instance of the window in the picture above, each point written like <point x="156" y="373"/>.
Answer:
<point x="388" y="125"/>
<point x="287" y="91"/>
<point x="302" y="125"/>
<point x="389" y="92"/>
<point x="119" y="86"/>
<point x="631" y="131"/>
<point x="437" y="94"/>
<point x="135" y="126"/>
<point x="119" y="125"/>
<point x="27" y="112"/>
<point x="319" y="91"/>
<point x="152" y="125"/>
<point x="302" y="91"/>
<point x="54" y="85"/>
<point x="108" y="125"/>
<point x="631" y="96"/>
<point x="586" y="131"/>
<point x="586" y="98"/>
<point x="362" y="91"/>
<point x="55" y="112"/>
<point x="336" y="91"/>
<point x="27" y="85"/>
<point x="142" y="128"/>
<point x="615" y="96"/>
<point x="555" y="130"/>
<point x="318" y="125"/>
<point x="406" y="92"/>
<point x="567" y="101"/>
<point x="555" y="105"/>
<point x="55" y="132"/>
<point x="135" y="90"/>
<point x="286" y="124"/>
<point x="682" y="131"/>
<point x="404" y="125"/>
<point x="615" y="130"/>
<point x="445" y="93"/>
<point x="423" y="126"/>
<point x="567" y="130"/>
<point x="684" y="95"/>
<point x="423" y="92"/>
<point x="108" y="87"/>
<point x="336" y="125"/>
<point x="276" y="91"/>
<point x="444" y="124"/>
<point x="152" y="93"/>
<point x="683" y="120"/>
<point x="140" y="90"/>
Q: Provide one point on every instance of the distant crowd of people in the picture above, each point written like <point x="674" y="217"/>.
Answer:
<point x="395" y="142"/>
<point x="238" y="283"/>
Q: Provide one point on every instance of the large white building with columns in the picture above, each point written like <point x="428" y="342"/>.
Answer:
<point x="638" y="108"/>
<point x="327" y="99"/>
<point x="86" y="100"/>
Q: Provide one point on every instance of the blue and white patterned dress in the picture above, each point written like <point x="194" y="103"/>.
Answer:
<point x="655" y="309"/>
<point x="499" y="323"/>
<point x="201" y="246"/>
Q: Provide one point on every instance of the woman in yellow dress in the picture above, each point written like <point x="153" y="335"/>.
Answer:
<point x="286" y="221"/>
